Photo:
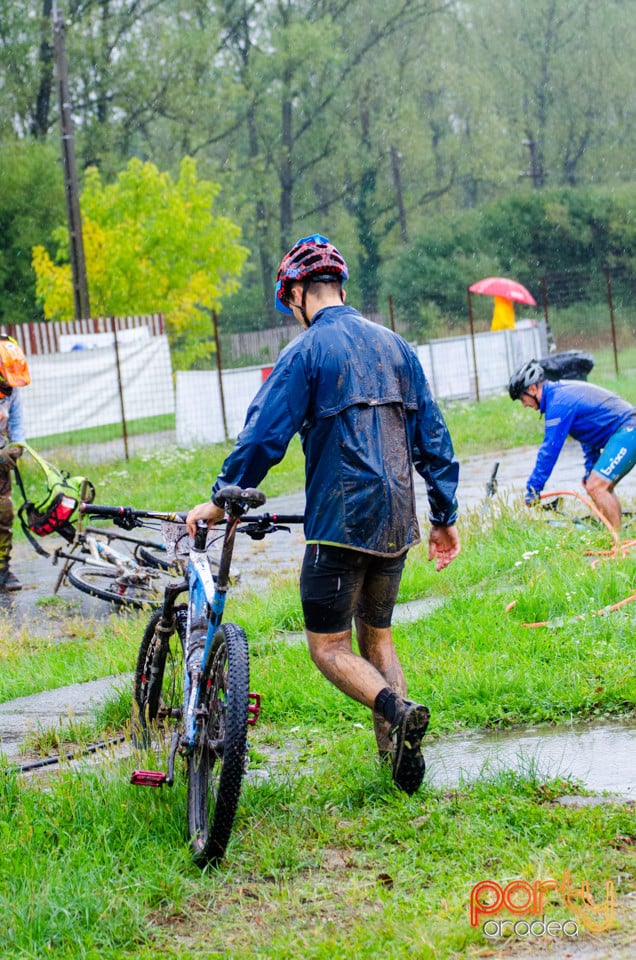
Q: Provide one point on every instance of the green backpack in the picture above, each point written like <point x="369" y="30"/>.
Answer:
<point x="55" y="512"/>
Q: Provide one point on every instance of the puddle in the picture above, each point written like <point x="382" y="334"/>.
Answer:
<point x="602" y="755"/>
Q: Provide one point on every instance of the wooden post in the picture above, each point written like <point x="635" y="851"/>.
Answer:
<point x="71" y="189"/>
<point x="391" y="317"/>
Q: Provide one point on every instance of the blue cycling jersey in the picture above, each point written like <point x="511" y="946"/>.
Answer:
<point x="583" y="411"/>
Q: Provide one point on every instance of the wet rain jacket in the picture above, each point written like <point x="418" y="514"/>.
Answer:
<point x="587" y="413"/>
<point x="357" y="395"/>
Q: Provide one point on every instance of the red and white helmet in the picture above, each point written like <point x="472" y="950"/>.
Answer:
<point x="311" y="258"/>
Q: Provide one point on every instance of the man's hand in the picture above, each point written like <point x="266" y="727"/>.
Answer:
<point x="204" y="511"/>
<point x="532" y="499"/>
<point x="443" y="545"/>
<point x="16" y="450"/>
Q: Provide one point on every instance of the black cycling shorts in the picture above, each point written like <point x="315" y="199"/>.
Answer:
<point x="337" y="584"/>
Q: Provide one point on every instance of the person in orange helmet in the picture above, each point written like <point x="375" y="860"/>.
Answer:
<point x="14" y="373"/>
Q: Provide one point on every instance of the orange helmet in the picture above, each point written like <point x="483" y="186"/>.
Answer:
<point x="14" y="368"/>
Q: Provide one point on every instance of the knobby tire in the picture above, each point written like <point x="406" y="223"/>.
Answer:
<point x="157" y="703"/>
<point x="215" y="776"/>
<point x="156" y="557"/>
<point x="127" y="591"/>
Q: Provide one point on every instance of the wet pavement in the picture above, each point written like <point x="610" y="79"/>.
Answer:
<point x="600" y="755"/>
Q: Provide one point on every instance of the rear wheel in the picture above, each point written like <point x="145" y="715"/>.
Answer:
<point x="137" y="589"/>
<point x="217" y="764"/>
<point x="157" y="705"/>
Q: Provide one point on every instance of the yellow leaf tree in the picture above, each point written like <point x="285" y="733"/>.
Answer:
<point x="151" y="245"/>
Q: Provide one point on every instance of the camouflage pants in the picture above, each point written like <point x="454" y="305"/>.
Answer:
<point x="6" y="518"/>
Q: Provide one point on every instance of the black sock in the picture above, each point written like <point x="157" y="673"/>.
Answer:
<point x="387" y="703"/>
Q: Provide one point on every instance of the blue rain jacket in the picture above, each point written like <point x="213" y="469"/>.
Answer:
<point x="357" y="395"/>
<point x="587" y="413"/>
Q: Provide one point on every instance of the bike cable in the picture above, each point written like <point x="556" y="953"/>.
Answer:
<point x="71" y="755"/>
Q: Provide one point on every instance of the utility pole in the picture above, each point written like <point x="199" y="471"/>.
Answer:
<point x="71" y="189"/>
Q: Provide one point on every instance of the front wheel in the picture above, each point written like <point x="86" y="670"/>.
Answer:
<point x="137" y="589"/>
<point x="217" y="763"/>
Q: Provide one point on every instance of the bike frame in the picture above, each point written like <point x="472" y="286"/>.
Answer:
<point x="88" y="548"/>
<point x="205" y="599"/>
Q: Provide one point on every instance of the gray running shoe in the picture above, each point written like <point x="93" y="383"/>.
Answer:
<point x="409" y="728"/>
<point x="9" y="581"/>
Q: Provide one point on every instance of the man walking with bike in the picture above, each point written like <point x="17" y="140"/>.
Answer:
<point x="357" y="395"/>
<point x="602" y="422"/>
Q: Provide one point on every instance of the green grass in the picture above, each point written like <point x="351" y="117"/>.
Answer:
<point x="106" y="432"/>
<point x="170" y="478"/>
<point x="327" y="860"/>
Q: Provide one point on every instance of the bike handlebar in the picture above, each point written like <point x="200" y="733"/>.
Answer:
<point x="255" y="525"/>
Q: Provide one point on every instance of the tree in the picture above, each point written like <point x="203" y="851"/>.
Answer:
<point x="31" y="204"/>
<point x="152" y="245"/>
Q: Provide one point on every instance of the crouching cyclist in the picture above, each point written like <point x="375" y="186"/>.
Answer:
<point x="357" y="395"/>
<point x="602" y="422"/>
<point x="14" y="373"/>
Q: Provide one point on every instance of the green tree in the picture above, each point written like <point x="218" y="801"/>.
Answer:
<point x="31" y="205"/>
<point x="151" y="245"/>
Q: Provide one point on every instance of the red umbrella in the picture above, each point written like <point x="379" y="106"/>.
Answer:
<point x="502" y="287"/>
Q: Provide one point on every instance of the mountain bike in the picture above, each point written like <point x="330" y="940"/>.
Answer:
<point x="128" y="571"/>
<point x="124" y="570"/>
<point x="191" y="690"/>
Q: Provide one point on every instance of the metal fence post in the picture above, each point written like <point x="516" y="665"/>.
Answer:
<point x="472" y="337"/>
<point x="124" y="428"/>
<point x="217" y="341"/>
<point x="608" y="278"/>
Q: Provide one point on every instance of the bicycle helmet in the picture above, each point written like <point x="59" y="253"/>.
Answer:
<point x="530" y="372"/>
<point x="313" y="259"/>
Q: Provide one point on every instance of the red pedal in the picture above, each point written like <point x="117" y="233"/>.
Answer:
<point x="148" y="778"/>
<point x="254" y="708"/>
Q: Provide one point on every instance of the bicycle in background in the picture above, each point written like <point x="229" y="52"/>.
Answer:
<point x="127" y="571"/>
<point x="191" y="690"/>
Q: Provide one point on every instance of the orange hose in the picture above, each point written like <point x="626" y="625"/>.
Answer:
<point x="589" y="504"/>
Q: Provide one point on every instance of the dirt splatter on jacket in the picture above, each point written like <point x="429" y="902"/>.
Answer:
<point x="357" y="395"/>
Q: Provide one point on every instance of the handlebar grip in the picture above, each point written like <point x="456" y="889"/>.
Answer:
<point x="99" y="511"/>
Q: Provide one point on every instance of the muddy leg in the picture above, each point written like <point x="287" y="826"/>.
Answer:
<point x="376" y="646"/>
